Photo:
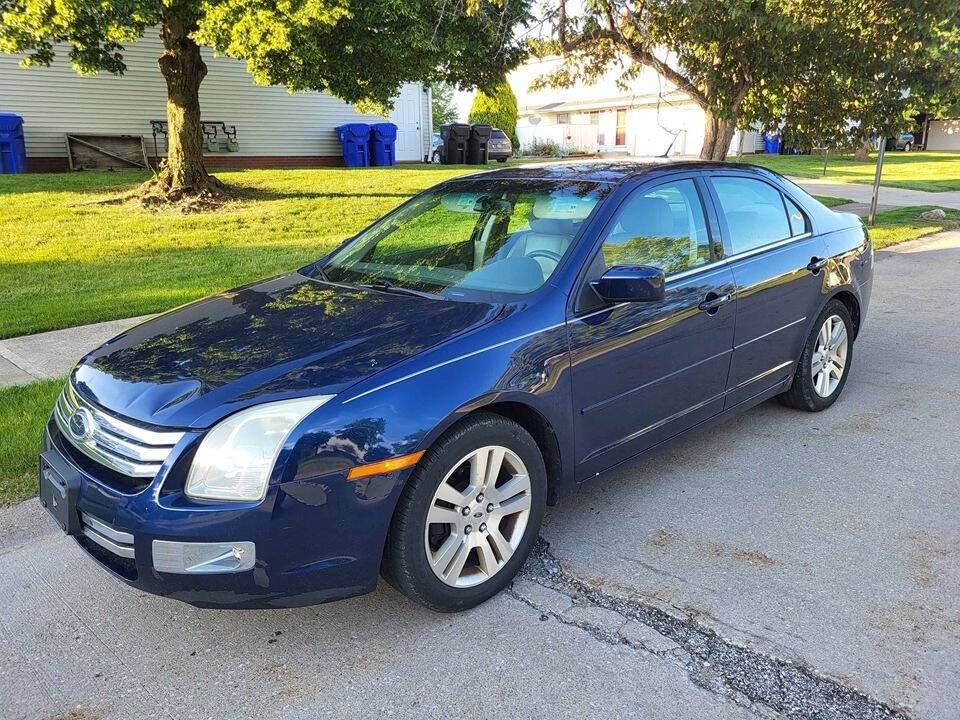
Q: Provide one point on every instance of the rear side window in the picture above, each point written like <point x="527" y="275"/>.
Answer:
<point x="754" y="212"/>
<point x="664" y="227"/>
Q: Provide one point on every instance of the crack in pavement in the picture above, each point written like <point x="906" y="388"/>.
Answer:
<point x="749" y="677"/>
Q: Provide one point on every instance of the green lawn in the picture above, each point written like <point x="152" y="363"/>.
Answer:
<point x="23" y="413"/>
<point x="896" y="226"/>
<point x="934" y="171"/>
<point x="832" y="201"/>
<point x="66" y="261"/>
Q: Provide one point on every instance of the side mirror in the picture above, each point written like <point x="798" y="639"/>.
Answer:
<point x="630" y="283"/>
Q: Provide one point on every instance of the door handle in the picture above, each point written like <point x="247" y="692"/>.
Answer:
<point x="816" y="264"/>
<point x="712" y="302"/>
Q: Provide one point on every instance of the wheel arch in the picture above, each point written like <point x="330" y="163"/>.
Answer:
<point x="535" y="421"/>
<point x="852" y="303"/>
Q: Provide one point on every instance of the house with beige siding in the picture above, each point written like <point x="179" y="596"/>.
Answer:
<point x="274" y="128"/>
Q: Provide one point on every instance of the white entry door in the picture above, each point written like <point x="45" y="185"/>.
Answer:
<point x="406" y="116"/>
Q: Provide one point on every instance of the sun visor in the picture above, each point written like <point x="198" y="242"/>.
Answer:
<point x="462" y="202"/>
<point x="563" y="206"/>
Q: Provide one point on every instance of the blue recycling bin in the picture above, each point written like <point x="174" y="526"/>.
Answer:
<point x="355" y="141"/>
<point x="383" y="140"/>
<point x="771" y="143"/>
<point x="13" y="150"/>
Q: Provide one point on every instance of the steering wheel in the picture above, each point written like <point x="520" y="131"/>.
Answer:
<point x="549" y="254"/>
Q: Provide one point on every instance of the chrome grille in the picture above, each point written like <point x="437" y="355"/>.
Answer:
<point x="119" y="445"/>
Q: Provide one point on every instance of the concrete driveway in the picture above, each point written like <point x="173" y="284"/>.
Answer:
<point x="782" y="565"/>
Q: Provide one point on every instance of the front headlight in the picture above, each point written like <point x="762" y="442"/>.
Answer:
<point x="236" y="457"/>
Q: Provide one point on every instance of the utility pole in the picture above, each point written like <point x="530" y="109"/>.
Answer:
<point x="876" y="181"/>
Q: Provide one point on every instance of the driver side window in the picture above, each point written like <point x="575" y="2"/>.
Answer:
<point x="664" y="227"/>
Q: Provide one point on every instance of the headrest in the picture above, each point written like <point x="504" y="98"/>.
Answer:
<point x="647" y="217"/>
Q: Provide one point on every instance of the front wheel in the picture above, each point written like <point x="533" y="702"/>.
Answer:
<point x="825" y="362"/>
<point x="468" y="516"/>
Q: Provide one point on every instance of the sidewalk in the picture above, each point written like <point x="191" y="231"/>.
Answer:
<point x="52" y="354"/>
<point x="889" y="197"/>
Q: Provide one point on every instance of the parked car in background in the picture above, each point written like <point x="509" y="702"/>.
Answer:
<point x="499" y="147"/>
<point x="409" y="404"/>
<point x="905" y="141"/>
<point x="435" y="144"/>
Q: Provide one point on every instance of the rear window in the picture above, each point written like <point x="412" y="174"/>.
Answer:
<point x="498" y="135"/>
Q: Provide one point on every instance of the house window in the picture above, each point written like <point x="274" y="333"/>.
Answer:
<point x="595" y="117"/>
<point x="563" y="118"/>
<point x="621" y="127"/>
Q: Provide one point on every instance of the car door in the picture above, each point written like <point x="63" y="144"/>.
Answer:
<point x="776" y="264"/>
<point x="645" y="371"/>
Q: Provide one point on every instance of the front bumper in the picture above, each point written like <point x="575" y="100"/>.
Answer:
<point x="316" y="539"/>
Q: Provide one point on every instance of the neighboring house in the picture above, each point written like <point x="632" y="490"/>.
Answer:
<point x="652" y="118"/>
<point x="274" y="127"/>
<point x="942" y="134"/>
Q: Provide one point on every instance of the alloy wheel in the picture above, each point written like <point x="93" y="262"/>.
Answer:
<point x="829" y="356"/>
<point x="477" y="516"/>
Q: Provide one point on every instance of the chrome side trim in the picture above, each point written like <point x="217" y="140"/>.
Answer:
<point x="453" y="360"/>
<point x="655" y="425"/>
<point x="768" y="334"/>
<point x="762" y="375"/>
<point x="121" y="446"/>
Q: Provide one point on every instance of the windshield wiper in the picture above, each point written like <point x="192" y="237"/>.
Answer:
<point x="385" y="286"/>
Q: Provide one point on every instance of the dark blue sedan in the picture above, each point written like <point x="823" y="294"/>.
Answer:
<point x="409" y="404"/>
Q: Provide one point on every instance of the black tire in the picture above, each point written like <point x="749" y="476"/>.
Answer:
<point x="405" y="565"/>
<point x="802" y="394"/>
<point x="501" y="160"/>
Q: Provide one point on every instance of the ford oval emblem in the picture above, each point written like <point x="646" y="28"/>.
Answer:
<point x="81" y="424"/>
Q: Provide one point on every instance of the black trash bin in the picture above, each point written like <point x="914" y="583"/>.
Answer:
<point x="453" y="143"/>
<point x="477" y="144"/>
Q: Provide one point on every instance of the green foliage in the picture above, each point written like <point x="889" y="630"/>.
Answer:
<point x="356" y="50"/>
<point x="812" y="64"/>
<point x="498" y="108"/>
<point x="23" y="412"/>
<point x="876" y="65"/>
<point x="444" y="111"/>
<point x="543" y="148"/>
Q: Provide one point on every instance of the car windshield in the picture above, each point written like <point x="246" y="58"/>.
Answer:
<point x="498" y="135"/>
<point x="476" y="239"/>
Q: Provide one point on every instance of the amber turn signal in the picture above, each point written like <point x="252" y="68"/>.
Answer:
<point x="384" y="466"/>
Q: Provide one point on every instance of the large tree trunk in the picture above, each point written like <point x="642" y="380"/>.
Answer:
<point x="184" y="70"/>
<point x="717" y="135"/>
<point x="863" y="151"/>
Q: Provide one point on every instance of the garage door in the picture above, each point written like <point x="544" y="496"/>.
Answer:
<point x="406" y="116"/>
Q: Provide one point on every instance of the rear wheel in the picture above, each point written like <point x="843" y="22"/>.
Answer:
<point x="468" y="516"/>
<point x="825" y="362"/>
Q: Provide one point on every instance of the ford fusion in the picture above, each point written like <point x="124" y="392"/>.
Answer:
<point x="408" y="405"/>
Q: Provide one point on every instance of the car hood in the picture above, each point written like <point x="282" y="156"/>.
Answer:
<point x="283" y="337"/>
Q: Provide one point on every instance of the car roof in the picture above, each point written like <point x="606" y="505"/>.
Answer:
<point x="615" y="172"/>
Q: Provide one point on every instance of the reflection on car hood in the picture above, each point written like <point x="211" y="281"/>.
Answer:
<point x="285" y="336"/>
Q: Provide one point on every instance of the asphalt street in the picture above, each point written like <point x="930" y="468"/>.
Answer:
<point x="781" y="565"/>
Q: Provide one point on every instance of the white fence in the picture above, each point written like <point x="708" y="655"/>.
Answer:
<point x="568" y="136"/>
